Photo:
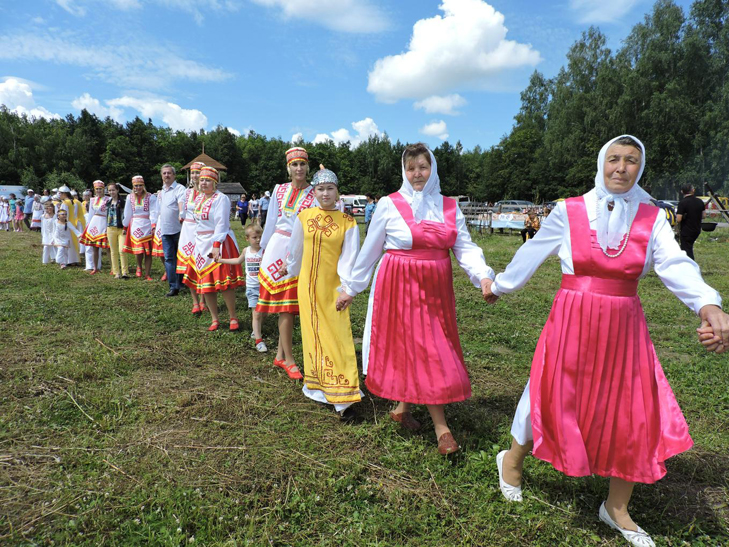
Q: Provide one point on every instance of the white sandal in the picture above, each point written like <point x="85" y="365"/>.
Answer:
<point x="511" y="493"/>
<point x="637" y="538"/>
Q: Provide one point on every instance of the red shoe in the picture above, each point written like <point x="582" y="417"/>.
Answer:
<point x="406" y="420"/>
<point x="112" y="273"/>
<point x="149" y="278"/>
<point x="213" y="326"/>
<point x="164" y="277"/>
<point x="139" y="272"/>
<point x="234" y="324"/>
<point x="202" y="307"/>
<point x="291" y="370"/>
<point x="196" y="310"/>
<point x="447" y="444"/>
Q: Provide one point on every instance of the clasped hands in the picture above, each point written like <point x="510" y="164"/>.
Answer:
<point x="488" y="296"/>
<point x="714" y="330"/>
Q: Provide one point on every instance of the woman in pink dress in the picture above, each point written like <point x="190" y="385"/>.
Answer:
<point x="411" y="350"/>
<point x="597" y="401"/>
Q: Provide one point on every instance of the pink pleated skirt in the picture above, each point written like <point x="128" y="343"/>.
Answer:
<point x="600" y="402"/>
<point x="415" y="353"/>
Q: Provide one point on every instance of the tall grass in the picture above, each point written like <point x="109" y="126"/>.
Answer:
<point x="123" y="422"/>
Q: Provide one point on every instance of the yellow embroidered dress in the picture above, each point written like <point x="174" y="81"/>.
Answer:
<point x="322" y="251"/>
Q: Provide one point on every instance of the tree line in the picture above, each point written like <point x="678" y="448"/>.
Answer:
<point x="668" y="85"/>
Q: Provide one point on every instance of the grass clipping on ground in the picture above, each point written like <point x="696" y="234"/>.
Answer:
<point x="123" y="422"/>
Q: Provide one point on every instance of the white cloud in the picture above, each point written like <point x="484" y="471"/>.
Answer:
<point x="94" y="106"/>
<point x="435" y="129"/>
<point x="353" y="16"/>
<point x="467" y="47"/>
<point x="71" y="7"/>
<point x="178" y="118"/>
<point x="363" y="130"/>
<point x="321" y="138"/>
<point x="441" y="105"/>
<point x="233" y="131"/>
<point x="142" y="65"/>
<point x="595" y="11"/>
<point x="297" y="138"/>
<point x="196" y="8"/>
<point x="17" y="96"/>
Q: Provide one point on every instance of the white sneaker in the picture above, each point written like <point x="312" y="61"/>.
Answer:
<point x="261" y="346"/>
<point x="253" y="336"/>
<point x="511" y="493"/>
<point x="637" y="538"/>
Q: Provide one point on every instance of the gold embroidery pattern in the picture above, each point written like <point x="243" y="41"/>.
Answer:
<point x="329" y="226"/>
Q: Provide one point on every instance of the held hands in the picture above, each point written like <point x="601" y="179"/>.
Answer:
<point x="714" y="330"/>
<point x="284" y="270"/>
<point x="215" y="255"/>
<point x="343" y="301"/>
<point x="488" y="296"/>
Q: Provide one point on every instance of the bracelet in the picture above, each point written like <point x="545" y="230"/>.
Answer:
<point x="216" y="244"/>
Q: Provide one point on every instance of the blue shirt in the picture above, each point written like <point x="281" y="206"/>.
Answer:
<point x="369" y="211"/>
<point x="264" y="203"/>
<point x="28" y="209"/>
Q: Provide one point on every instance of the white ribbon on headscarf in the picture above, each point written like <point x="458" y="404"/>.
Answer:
<point x="427" y="199"/>
<point x="613" y="225"/>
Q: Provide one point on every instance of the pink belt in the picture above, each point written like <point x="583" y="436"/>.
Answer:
<point x="206" y="232"/>
<point x="283" y="233"/>
<point x="99" y="215"/>
<point x="141" y="216"/>
<point x="600" y="285"/>
<point x="186" y="220"/>
<point x="421" y="254"/>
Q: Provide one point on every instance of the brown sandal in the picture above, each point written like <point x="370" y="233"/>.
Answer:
<point x="406" y="420"/>
<point x="447" y="444"/>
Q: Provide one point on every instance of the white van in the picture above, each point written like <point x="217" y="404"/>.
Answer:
<point x="354" y="204"/>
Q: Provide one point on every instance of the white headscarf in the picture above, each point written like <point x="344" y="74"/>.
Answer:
<point x="613" y="225"/>
<point x="427" y="199"/>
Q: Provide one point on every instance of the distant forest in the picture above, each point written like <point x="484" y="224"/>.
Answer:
<point x="668" y="85"/>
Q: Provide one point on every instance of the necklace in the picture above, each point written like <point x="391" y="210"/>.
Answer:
<point x="624" y="244"/>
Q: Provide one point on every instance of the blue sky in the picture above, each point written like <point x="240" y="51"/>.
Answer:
<point x="325" y="69"/>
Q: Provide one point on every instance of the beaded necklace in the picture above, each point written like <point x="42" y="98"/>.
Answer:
<point x="624" y="244"/>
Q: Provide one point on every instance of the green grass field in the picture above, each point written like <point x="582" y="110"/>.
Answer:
<point x="123" y="422"/>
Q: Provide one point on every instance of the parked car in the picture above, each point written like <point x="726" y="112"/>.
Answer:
<point x="668" y="208"/>
<point x="511" y="206"/>
<point x="354" y="204"/>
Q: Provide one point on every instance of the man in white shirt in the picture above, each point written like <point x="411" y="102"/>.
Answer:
<point x="170" y="200"/>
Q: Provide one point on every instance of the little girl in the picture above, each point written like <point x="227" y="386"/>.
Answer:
<point x="19" y="216"/>
<point x="4" y="214"/>
<point x="48" y="221"/>
<point x="35" y="222"/>
<point x="322" y="250"/>
<point x="597" y="401"/>
<point x="62" y="231"/>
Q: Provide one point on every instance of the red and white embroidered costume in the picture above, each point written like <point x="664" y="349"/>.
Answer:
<point x="186" y="244"/>
<point x="137" y="220"/>
<point x="95" y="233"/>
<point x="279" y="292"/>
<point x="212" y="218"/>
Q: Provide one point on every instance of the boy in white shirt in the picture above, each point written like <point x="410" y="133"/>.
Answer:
<point x="251" y="257"/>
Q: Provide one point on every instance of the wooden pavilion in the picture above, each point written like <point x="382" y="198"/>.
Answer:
<point x="231" y="189"/>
